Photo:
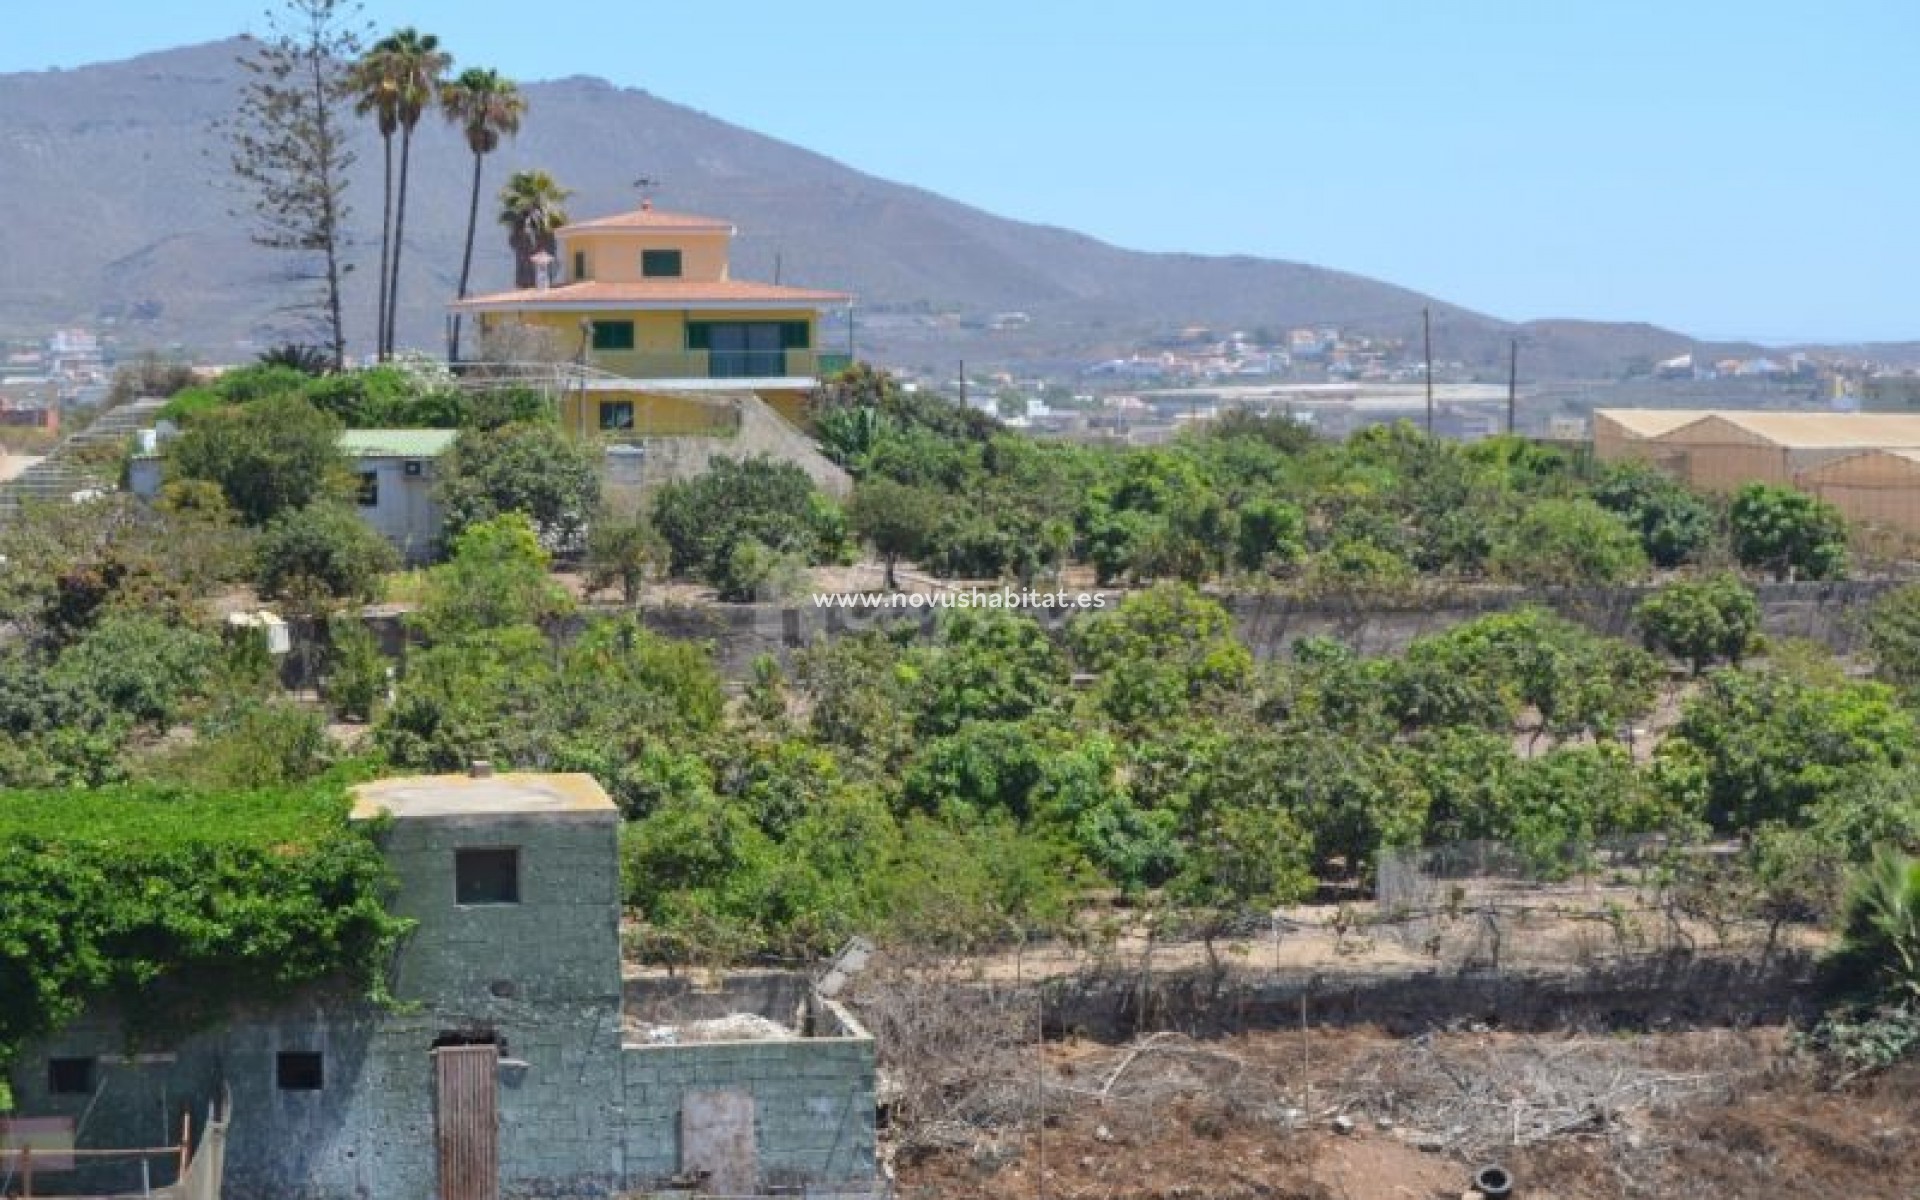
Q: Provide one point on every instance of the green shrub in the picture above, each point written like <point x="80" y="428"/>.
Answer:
<point x="326" y="546"/>
<point x="1879" y="953"/>
<point x="355" y="678"/>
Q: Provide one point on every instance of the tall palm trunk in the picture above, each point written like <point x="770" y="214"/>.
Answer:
<point x="399" y="235"/>
<point x="466" y="259"/>
<point x="380" y="347"/>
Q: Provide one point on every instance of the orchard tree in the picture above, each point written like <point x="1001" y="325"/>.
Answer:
<point x="1272" y="534"/>
<point x="1162" y="654"/>
<point x="1787" y="533"/>
<point x="1700" y="621"/>
<point x="324" y="545"/>
<point x="1755" y="746"/>
<point x="1568" y="543"/>
<point x="534" y="469"/>
<point x="898" y="520"/>
<point x="985" y="665"/>
<point x="495" y="579"/>
<point x="621" y="549"/>
<point x="1674" y="524"/>
<point x="268" y="457"/>
<point x="728" y="526"/>
<point x="1893" y="633"/>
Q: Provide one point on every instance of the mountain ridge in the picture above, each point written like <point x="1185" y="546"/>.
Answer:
<point x="138" y="233"/>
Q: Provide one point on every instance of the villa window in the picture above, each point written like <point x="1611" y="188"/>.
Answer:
<point x="616" y="414"/>
<point x="746" y="349"/>
<point x="298" y="1071"/>
<point x="660" y="264"/>
<point x="490" y="875"/>
<point x="613" y="335"/>
<point x="579" y="265"/>
<point x="366" y="491"/>
<point x="69" y="1076"/>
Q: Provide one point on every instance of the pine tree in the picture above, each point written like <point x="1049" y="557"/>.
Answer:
<point x="288" y="138"/>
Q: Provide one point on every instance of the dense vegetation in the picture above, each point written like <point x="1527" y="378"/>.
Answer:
<point x="961" y="789"/>
<point x="1260" y="502"/>
<point x="189" y="900"/>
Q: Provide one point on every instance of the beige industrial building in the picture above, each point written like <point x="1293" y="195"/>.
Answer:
<point x="1620" y="434"/>
<point x="1865" y="464"/>
<point x="1879" y="487"/>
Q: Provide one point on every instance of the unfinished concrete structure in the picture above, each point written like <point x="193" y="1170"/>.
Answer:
<point x="516" y="1063"/>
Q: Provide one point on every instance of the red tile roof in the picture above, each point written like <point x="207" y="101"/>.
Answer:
<point x="652" y="220"/>
<point x="667" y="292"/>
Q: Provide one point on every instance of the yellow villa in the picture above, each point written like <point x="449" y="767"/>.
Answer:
<point x="646" y="302"/>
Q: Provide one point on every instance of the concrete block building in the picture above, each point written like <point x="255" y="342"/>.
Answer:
<point x="512" y="1065"/>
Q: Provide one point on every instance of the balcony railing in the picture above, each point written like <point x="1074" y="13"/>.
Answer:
<point x="716" y="364"/>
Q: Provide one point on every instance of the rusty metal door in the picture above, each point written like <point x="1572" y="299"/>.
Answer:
<point x="467" y="1121"/>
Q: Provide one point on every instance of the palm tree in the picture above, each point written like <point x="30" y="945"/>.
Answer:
<point x="530" y="209"/>
<point x="415" y="63"/>
<point x="485" y="105"/>
<point x="378" y="94"/>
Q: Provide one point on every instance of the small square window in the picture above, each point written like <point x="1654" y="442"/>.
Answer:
<point x="366" y="489"/>
<point x="298" y="1071"/>
<point x="69" y="1076"/>
<point x="616" y="414"/>
<point x="660" y="264"/>
<point x="486" y="876"/>
<point x="613" y="335"/>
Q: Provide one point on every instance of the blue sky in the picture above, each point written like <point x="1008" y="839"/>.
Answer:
<point x="1729" y="169"/>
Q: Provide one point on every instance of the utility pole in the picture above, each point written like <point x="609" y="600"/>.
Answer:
<point x="1513" y="379"/>
<point x="963" y="383"/>
<point x="1426" y="340"/>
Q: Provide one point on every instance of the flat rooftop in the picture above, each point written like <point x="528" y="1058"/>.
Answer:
<point x="427" y="797"/>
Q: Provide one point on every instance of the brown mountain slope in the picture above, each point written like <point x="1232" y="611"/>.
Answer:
<point x="115" y="194"/>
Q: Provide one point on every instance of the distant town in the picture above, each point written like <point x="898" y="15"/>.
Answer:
<point x="1334" y="379"/>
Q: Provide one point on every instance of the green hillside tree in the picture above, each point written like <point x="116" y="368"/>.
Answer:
<point x="1700" y="621"/>
<point x="1787" y="533"/>
<point x="289" y="144"/>
<point x="267" y="457"/>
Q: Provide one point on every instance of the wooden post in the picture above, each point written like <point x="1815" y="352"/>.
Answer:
<point x="26" y="1170"/>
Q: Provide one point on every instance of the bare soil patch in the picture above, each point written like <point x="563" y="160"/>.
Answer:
<point x="1324" y="1117"/>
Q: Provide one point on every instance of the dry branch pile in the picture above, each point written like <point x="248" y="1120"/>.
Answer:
<point x="1476" y="1102"/>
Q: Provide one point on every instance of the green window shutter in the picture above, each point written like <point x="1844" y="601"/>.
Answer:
<point x="794" y="335"/>
<point x="660" y="264"/>
<point x="699" y="335"/>
<point x="579" y="265"/>
<point x="613" y="335"/>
